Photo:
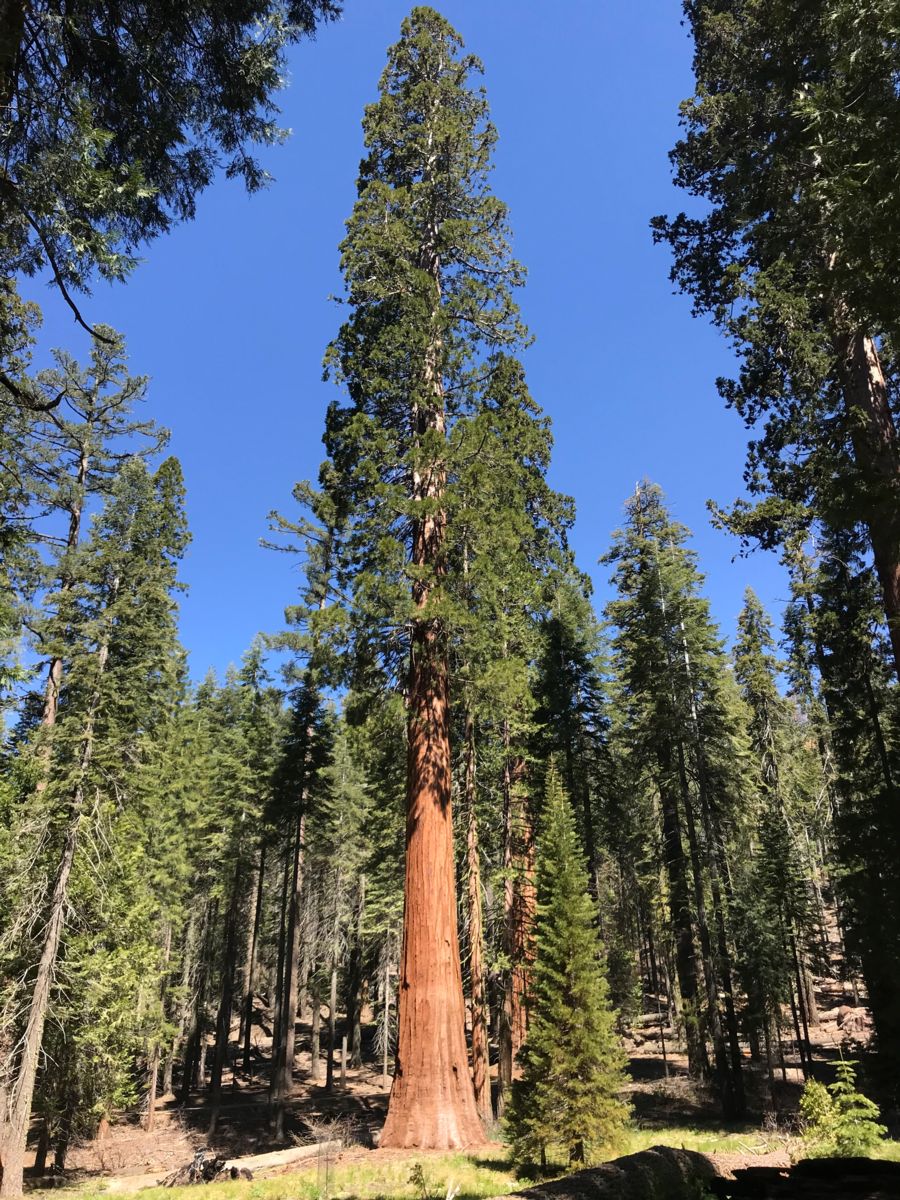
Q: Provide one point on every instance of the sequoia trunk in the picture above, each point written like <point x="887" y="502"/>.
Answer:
<point x="432" y="1102"/>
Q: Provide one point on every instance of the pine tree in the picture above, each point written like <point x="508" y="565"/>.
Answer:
<point x="839" y="635"/>
<point x="70" y="453"/>
<point x="573" y="1065"/>
<point x="672" y="693"/>
<point x="119" y="622"/>
<point x="784" y="139"/>
<point x="779" y="911"/>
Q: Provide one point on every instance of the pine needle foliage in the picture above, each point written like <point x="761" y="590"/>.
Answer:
<point x="572" y="1063"/>
<point x="841" y="1121"/>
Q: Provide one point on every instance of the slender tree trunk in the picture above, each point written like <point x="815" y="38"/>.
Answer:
<point x="710" y="975"/>
<point x="809" y="997"/>
<point x="315" y="1043"/>
<point x="356" y="979"/>
<point x="42" y="1150"/>
<point x="770" y="1062"/>
<point x="333" y="990"/>
<point x="877" y="452"/>
<point x="283" y="1075"/>
<point x="152" y="1088"/>
<point x="480" y="1055"/>
<point x="682" y="926"/>
<point x="195" y="1059"/>
<point x="385" y="1016"/>
<point x="249" y="972"/>
<point x="278" y="1007"/>
<point x="18" y="1106"/>
<point x="226" y="997"/>
<point x="155" y="1054"/>
<point x="801" y="1000"/>
<point x="193" y="940"/>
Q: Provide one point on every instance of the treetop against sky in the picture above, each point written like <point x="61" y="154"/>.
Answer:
<point x="230" y="314"/>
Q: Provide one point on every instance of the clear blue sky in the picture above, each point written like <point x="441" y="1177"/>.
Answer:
<point x="230" y="314"/>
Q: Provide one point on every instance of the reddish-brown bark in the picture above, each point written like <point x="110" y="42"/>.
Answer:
<point x="524" y="903"/>
<point x="432" y="1102"/>
<point x="480" y="1059"/>
<point x="518" y="907"/>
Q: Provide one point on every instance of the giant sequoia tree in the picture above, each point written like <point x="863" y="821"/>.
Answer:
<point x="429" y="280"/>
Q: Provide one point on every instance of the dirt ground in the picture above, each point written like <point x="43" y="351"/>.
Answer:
<point x="661" y="1094"/>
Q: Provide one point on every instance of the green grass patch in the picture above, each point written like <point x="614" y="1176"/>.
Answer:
<point x="476" y="1176"/>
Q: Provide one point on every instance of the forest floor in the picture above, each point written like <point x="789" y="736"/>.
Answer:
<point x="668" y="1108"/>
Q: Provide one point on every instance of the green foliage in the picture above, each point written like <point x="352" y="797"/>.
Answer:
<point x="99" y="157"/>
<point x="429" y="280"/>
<point x="840" y="1121"/>
<point x="572" y="1063"/>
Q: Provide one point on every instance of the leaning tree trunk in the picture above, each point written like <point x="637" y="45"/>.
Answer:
<point x="17" y="1116"/>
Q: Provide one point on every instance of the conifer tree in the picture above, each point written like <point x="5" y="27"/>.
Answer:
<point x="68" y="454"/>
<point x="777" y="912"/>
<point x="836" y="621"/>
<point x="99" y="156"/>
<point x="784" y="138"/>
<point x="672" y="691"/>
<point x="429" y="279"/>
<point x="119" y="622"/>
<point x="505" y="578"/>
<point x="573" y="1064"/>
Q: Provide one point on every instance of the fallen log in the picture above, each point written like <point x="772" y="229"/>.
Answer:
<point x="284" y="1158"/>
<point x="207" y="1167"/>
<point x="661" y="1172"/>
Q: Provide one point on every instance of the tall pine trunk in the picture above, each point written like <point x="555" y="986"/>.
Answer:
<point x="283" y="1055"/>
<point x="226" y="996"/>
<point x="680" y="917"/>
<point x="356" y="979"/>
<point x="249" y="972"/>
